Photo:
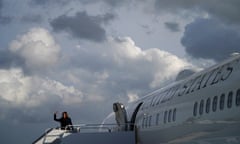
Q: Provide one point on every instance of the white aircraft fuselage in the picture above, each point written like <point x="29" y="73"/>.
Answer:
<point x="202" y="108"/>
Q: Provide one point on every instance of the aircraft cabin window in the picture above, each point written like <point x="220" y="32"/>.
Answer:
<point x="238" y="97"/>
<point x="174" y="114"/>
<point x="146" y="122"/>
<point x="143" y="122"/>
<point x="214" y="105"/>
<point x="195" y="109"/>
<point x="149" y="121"/>
<point x="169" y="115"/>
<point x="165" y="116"/>
<point x="208" y="105"/>
<point x="201" y="107"/>
<point x="157" y="118"/>
<point x="211" y="104"/>
<point x="229" y="101"/>
<point x="222" y="101"/>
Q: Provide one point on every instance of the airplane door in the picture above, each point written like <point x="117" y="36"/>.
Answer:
<point x="133" y="119"/>
<point x="120" y="116"/>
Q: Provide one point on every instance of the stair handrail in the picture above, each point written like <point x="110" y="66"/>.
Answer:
<point x="78" y="128"/>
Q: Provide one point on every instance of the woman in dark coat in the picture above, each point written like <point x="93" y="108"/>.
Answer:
<point x="65" y="121"/>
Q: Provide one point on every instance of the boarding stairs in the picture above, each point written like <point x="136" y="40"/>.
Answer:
<point x="89" y="134"/>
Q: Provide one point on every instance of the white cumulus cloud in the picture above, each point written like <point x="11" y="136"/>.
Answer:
<point x="37" y="47"/>
<point x="119" y="70"/>
<point x="31" y="95"/>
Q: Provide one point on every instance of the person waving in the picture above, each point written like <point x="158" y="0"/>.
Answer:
<point x="65" y="121"/>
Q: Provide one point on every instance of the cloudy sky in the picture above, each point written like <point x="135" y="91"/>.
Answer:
<point x="81" y="56"/>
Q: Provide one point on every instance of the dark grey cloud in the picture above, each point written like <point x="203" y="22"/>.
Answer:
<point x="225" y="10"/>
<point x="112" y="3"/>
<point x="116" y="3"/>
<point x="173" y="5"/>
<point x="82" y="26"/>
<point x="49" y="2"/>
<point x="39" y="2"/>
<point x="8" y="60"/>
<point x="210" y="39"/>
<point x="32" y="18"/>
<point x="106" y="18"/>
<point x="4" y="19"/>
<point x="203" y="38"/>
<point x="172" y="26"/>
